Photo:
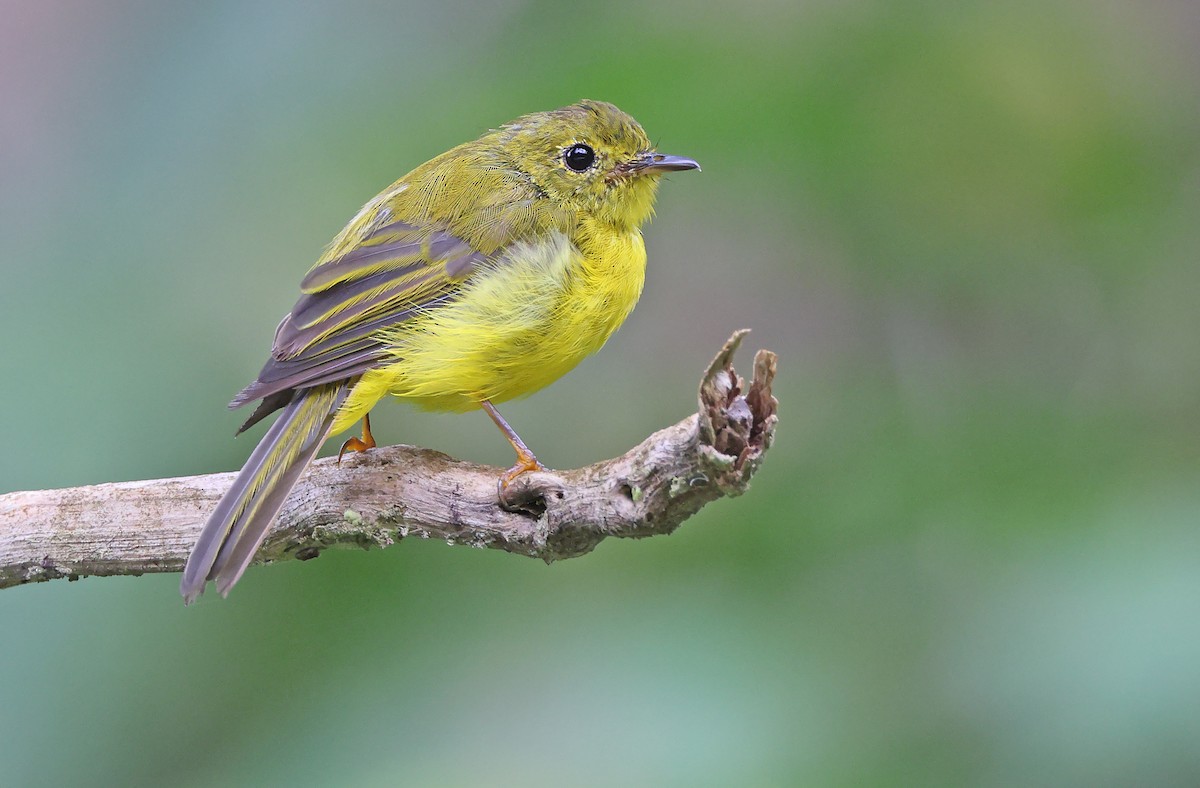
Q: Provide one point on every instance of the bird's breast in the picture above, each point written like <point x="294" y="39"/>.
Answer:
<point x="522" y="322"/>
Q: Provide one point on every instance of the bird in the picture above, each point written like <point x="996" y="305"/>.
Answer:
<point x="481" y="276"/>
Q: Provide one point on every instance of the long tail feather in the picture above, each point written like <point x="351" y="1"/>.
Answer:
<point x="239" y="524"/>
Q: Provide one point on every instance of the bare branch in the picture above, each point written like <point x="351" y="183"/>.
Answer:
<point x="382" y="496"/>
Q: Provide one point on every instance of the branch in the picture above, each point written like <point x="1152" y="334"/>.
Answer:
<point x="387" y="494"/>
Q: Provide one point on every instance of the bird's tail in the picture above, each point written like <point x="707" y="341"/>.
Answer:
<point x="238" y="525"/>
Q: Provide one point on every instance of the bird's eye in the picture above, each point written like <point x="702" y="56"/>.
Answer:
<point x="579" y="157"/>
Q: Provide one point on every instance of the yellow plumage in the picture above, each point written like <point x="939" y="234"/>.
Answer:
<point x="543" y="308"/>
<point x="483" y="275"/>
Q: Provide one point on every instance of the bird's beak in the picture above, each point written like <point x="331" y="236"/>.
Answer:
<point x="661" y="162"/>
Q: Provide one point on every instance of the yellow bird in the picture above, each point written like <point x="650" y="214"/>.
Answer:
<point x="482" y="275"/>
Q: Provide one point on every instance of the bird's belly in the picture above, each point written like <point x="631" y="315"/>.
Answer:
<point x="517" y="327"/>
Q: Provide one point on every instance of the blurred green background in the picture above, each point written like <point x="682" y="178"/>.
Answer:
<point x="969" y="229"/>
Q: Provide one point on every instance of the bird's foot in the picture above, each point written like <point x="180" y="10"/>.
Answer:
<point x="521" y="498"/>
<point x="526" y="463"/>
<point x="367" y="441"/>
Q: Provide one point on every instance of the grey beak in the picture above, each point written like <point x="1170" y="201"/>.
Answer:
<point x="661" y="162"/>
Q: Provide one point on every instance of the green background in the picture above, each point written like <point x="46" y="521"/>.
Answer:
<point x="969" y="229"/>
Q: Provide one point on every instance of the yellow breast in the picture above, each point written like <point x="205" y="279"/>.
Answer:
<point x="518" y="325"/>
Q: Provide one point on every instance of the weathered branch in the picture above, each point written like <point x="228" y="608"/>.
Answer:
<point x="377" y="498"/>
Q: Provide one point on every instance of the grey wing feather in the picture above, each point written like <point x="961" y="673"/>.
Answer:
<point x="333" y="331"/>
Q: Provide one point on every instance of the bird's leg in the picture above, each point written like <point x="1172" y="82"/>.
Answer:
<point x="367" y="441"/>
<point x="526" y="462"/>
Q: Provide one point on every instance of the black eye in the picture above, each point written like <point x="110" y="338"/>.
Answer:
<point x="579" y="157"/>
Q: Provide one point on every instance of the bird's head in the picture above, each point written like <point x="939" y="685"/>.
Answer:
<point x="590" y="158"/>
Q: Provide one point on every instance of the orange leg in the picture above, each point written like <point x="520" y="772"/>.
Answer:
<point x="359" y="444"/>
<point x="526" y="462"/>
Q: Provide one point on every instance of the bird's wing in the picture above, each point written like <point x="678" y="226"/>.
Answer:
<point x="393" y="272"/>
